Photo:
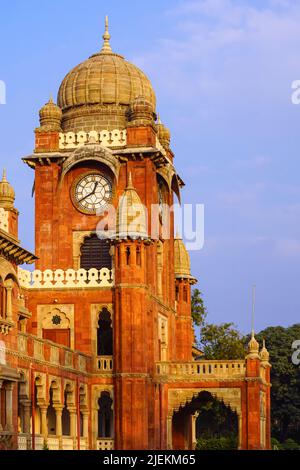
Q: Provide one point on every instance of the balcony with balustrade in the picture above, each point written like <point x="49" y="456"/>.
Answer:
<point x="41" y="350"/>
<point x="203" y="369"/>
<point x="52" y="443"/>
<point x="69" y="279"/>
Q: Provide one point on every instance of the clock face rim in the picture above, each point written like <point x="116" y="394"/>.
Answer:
<point x="74" y="198"/>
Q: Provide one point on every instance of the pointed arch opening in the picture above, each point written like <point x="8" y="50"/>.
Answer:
<point x="105" y="416"/>
<point x="105" y="333"/>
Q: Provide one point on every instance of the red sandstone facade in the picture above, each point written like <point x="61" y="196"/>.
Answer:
<point x="98" y="356"/>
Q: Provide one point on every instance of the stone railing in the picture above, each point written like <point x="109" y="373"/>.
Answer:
<point x="105" y="444"/>
<point x="202" y="369"/>
<point x="104" y="363"/>
<point x="67" y="443"/>
<point x="71" y="140"/>
<point x="54" y="354"/>
<point x="39" y="442"/>
<point x="45" y="350"/>
<point x="69" y="279"/>
<point x="22" y="442"/>
<point x="53" y="442"/>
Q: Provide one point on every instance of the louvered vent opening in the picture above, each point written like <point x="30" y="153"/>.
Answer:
<point x="95" y="254"/>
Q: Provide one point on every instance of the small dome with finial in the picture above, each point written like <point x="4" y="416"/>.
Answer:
<point x="7" y="193"/>
<point x="253" y="347"/>
<point x="163" y="134"/>
<point x="181" y="260"/>
<point x="264" y="353"/>
<point x="50" y="116"/>
<point x="131" y="216"/>
<point x="141" y="112"/>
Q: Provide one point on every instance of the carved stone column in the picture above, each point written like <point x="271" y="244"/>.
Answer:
<point x="194" y="429"/>
<point x="9" y="287"/>
<point x="27" y="407"/>
<point x="169" y="433"/>
<point x="240" y="430"/>
<point x="9" y="406"/>
<point x="58" y="416"/>
<point x="73" y="433"/>
<point x="44" y="427"/>
<point x="85" y="416"/>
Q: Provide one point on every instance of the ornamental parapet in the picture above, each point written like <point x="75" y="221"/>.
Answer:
<point x="202" y="369"/>
<point x="72" y="140"/>
<point x="46" y="351"/>
<point x="69" y="279"/>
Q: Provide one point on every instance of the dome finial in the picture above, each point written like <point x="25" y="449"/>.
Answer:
<point x="106" y="49"/>
<point x="7" y="193"/>
<point x="129" y="183"/>
<point x="4" y="180"/>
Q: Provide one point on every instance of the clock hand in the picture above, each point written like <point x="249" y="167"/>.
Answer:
<point x="95" y="187"/>
<point x="90" y="194"/>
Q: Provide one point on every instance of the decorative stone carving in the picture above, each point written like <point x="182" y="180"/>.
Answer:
<point x="180" y="397"/>
<point x="69" y="279"/>
<point x="114" y="138"/>
<point x="47" y="313"/>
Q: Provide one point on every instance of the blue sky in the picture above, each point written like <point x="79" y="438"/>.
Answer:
<point x="222" y="71"/>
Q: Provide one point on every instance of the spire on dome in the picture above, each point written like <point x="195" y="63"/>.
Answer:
<point x="4" y="180"/>
<point x="129" y="183"/>
<point x="7" y="193"/>
<point x="106" y="48"/>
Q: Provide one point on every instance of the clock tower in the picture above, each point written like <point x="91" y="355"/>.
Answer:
<point x="104" y="350"/>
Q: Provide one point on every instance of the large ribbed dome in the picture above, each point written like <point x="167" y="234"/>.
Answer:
<point x="105" y="83"/>
<point x="104" y="79"/>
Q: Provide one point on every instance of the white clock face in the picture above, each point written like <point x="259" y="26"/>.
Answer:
<point x="92" y="193"/>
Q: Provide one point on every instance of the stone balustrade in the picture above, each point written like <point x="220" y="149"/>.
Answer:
<point x="22" y="442"/>
<point x="53" y="442"/>
<point x="202" y="369"/>
<point x="54" y="354"/>
<point x="47" y="351"/>
<point x="39" y="442"/>
<point x="69" y="279"/>
<point x="71" y="140"/>
<point x="104" y="363"/>
<point x="105" y="444"/>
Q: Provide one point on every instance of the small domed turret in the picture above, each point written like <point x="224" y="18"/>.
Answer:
<point x="181" y="260"/>
<point x="50" y="117"/>
<point x="253" y="347"/>
<point x="264" y="353"/>
<point x="141" y="112"/>
<point x="131" y="217"/>
<point x="163" y="134"/>
<point x="7" y="193"/>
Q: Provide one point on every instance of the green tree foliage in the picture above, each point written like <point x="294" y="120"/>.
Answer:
<point x="285" y="379"/>
<point x="222" y="342"/>
<point x="198" y="309"/>
<point x="217" y="425"/>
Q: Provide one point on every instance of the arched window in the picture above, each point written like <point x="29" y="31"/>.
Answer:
<point x="105" y="416"/>
<point x="95" y="253"/>
<point x="105" y="334"/>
